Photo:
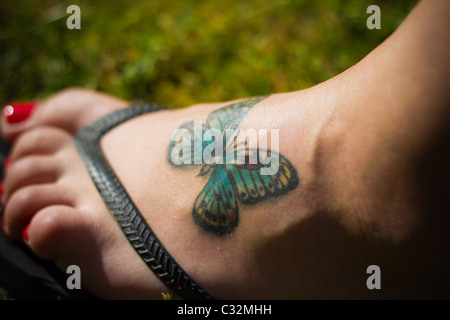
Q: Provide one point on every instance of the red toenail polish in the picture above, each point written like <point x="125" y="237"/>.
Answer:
<point x="17" y="112"/>
<point x="25" y="233"/>
<point x="3" y="223"/>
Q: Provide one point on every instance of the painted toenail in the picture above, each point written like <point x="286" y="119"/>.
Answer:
<point x="25" y="233"/>
<point x="17" y="112"/>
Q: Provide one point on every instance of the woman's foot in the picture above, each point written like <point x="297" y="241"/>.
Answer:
<point x="361" y="197"/>
<point x="51" y="202"/>
<point x="298" y="245"/>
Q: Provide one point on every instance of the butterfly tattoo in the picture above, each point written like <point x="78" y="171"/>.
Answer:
<point x="232" y="182"/>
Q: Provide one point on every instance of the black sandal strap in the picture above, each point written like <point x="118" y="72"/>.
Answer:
<point x="119" y="203"/>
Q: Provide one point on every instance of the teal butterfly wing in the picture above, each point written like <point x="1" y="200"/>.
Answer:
<point x="215" y="208"/>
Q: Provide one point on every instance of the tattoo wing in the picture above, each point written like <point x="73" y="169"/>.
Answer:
<point x="251" y="186"/>
<point x="215" y="208"/>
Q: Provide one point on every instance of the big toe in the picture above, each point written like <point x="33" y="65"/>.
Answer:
<point x="70" y="110"/>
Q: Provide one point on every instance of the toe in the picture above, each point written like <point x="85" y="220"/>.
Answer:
<point x="29" y="171"/>
<point x="23" y="204"/>
<point x="42" y="140"/>
<point x="70" y="110"/>
<point x="53" y="228"/>
<point x="39" y="141"/>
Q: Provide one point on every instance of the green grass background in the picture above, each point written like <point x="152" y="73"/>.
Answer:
<point x="179" y="53"/>
<point x="183" y="52"/>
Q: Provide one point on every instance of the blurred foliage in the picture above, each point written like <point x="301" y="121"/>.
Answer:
<point x="182" y="52"/>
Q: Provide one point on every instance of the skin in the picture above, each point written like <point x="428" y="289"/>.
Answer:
<point x="369" y="146"/>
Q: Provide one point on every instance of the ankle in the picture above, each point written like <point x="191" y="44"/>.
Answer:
<point x="366" y="179"/>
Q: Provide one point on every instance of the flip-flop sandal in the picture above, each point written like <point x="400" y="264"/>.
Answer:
<point x="135" y="228"/>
